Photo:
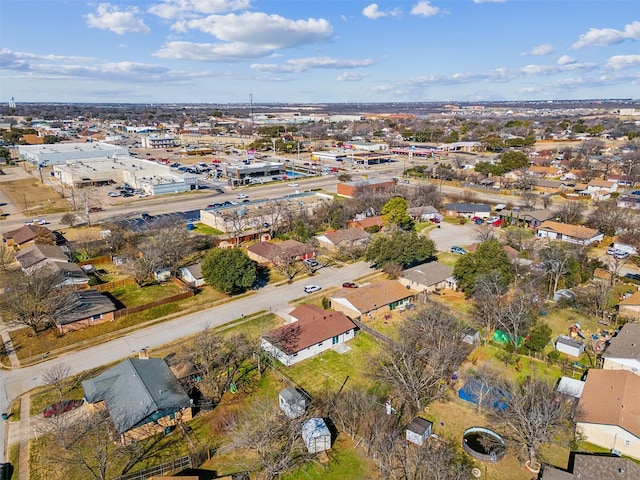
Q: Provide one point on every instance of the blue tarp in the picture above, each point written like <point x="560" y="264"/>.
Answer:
<point x="491" y="396"/>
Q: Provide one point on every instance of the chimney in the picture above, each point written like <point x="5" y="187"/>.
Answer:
<point x="143" y="354"/>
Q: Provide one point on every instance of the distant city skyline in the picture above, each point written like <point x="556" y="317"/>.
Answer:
<point x="223" y="51"/>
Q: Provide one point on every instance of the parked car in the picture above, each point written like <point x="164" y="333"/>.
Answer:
<point x="294" y="185"/>
<point x="61" y="407"/>
<point x="145" y="216"/>
<point x="242" y="195"/>
<point x="434" y="220"/>
<point x="312" y="288"/>
<point x="95" y="209"/>
<point x="458" y="250"/>
<point x="621" y="255"/>
<point x="349" y="285"/>
<point x="114" y="194"/>
<point x="311" y="262"/>
<point x="495" y="221"/>
<point x="633" y="276"/>
<point x="612" y="251"/>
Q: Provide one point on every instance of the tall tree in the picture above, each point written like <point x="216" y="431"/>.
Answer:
<point x="229" y="270"/>
<point x="489" y="257"/>
<point x="395" y="214"/>
<point x="404" y="248"/>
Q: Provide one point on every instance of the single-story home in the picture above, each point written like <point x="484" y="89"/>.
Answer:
<point x="630" y="306"/>
<point x="346" y="237"/>
<point x="565" y="232"/>
<point x="312" y="331"/>
<point x="192" y="274"/>
<point x="590" y="466"/>
<point x="274" y="253"/>
<point x="371" y="299"/>
<point x="35" y="256"/>
<point x="372" y="223"/>
<point x="88" y="307"/>
<point x="608" y="413"/>
<point x="623" y="350"/>
<point x="364" y="187"/>
<point x="25" y="235"/>
<point x="422" y="214"/>
<point x="531" y="219"/>
<point x="142" y="397"/>
<point x="426" y="277"/>
<point x="467" y="210"/>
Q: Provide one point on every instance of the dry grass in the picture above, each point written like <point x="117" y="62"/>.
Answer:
<point x="35" y="198"/>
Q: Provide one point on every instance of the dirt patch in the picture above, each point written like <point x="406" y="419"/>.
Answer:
<point x="34" y="198"/>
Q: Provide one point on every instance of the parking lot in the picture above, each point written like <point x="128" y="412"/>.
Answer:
<point x="449" y="235"/>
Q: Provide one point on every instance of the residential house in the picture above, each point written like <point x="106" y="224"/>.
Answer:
<point x="467" y="210"/>
<point x="192" y="274"/>
<point x="427" y="277"/>
<point x="533" y="218"/>
<point x="548" y="186"/>
<point x="274" y="253"/>
<point x="544" y="172"/>
<point x="37" y="255"/>
<point x="26" y="235"/>
<point x="70" y="274"/>
<point x="87" y="308"/>
<point x="593" y="466"/>
<point x="367" y="223"/>
<point x="608" y="413"/>
<point x="565" y="232"/>
<point x="629" y="201"/>
<point x="600" y="189"/>
<point x="141" y="395"/>
<point x="621" y="180"/>
<point x="346" y="238"/>
<point x="630" y="306"/>
<point x="316" y="435"/>
<point x="623" y="350"/>
<point x="370" y="299"/>
<point x="423" y="214"/>
<point x="418" y="431"/>
<point x="312" y="331"/>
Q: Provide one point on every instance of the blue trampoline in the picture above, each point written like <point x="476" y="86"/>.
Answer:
<point x="492" y="397"/>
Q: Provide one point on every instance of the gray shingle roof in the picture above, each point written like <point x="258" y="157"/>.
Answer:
<point x="136" y="392"/>
<point x="86" y="303"/>
<point x="626" y="344"/>
<point x="428" y="274"/>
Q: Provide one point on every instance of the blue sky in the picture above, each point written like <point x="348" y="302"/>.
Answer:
<point x="319" y="51"/>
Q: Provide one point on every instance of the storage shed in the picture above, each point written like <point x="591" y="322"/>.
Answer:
<point x="569" y="346"/>
<point x="292" y="402"/>
<point x="419" y="430"/>
<point x="316" y="435"/>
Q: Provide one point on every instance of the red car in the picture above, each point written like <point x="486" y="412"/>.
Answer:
<point x="349" y="285"/>
<point x="434" y="220"/>
<point x="61" y="407"/>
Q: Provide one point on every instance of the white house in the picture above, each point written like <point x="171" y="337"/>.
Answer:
<point x="565" y="232"/>
<point x="623" y="352"/>
<point x="608" y="413"/>
<point x="312" y="331"/>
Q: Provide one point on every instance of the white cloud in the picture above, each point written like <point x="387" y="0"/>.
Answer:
<point x="566" y="60"/>
<point x="246" y="36"/>
<point x="304" y="64"/>
<point x="541" y="50"/>
<point x="109" y="17"/>
<point x="618" y="62"/>
<point x="175" y="9"/>
<point x="351" y="76"/>
<point x="425" y="9"/>
<point x="602" y="37"/>
<point x="373" y="12"/>
<point x="489" y="1"/>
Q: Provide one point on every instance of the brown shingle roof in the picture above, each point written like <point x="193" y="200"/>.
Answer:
<point x="575" y="231"/>
<point x="368" y="222"/>
<point x="34" y="254"/>
<point x="626" y="344"/>
<point x="375" y="295"/>
<point x="347" y="235"/>
<point x="632" y="300"/>
<point x="271" y="251"/>
<point x="611" y="397"/>
<point x="25" y="234"/>
<point x="314" y="325"/>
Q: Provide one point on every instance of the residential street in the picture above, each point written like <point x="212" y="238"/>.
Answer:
<point x="18" y="381"/>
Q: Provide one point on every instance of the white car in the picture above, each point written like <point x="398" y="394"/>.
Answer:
<point x="242" y="195"/>
<point x="294" y="185"/>
<point x="114" y="194"/>
<point x="312" y="288"/>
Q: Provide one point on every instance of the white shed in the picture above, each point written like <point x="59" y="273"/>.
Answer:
<point x="162" y="274"/>
<point x="569" y="346"/>
<point x="419" y="430"/>
<point x="316" y="435"/>
<point x="292" y="402"/>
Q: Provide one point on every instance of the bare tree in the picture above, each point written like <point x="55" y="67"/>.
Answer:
<point x="427" y="354"/>
<point x="556" y="258"/>
<point x="7" y="258"/>
<point x="529" y="199"/>
<point x="485" y="232"/>
<point x="518" y="315"/>
<point x="483" y="385"/>
<point x="487" y="301"/>
<point x="547" y="201"/>
<point x="288" y="263"/>
<point x="57" y="376"/>
<point x="34" y="300"/>
<point x="275" y="440"/>
<point x="532" y="416"/>
<point x="570" y="211"/>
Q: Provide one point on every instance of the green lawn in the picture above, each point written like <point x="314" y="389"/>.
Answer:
<point x="134" y="295"/>
<point x="203" y="229"/>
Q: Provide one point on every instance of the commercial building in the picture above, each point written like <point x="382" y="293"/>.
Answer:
<point x="62" y="153"/>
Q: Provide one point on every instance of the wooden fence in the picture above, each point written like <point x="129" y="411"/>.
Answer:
<point x="139" y="308"/>
<point x="96" y="261"/>
<point x="374" y="333"/>
<point x="188" y="461"/>
<point x="105" y="287"/>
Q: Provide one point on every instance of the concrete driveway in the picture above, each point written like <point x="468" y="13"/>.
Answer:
<point x="450" y="234"/>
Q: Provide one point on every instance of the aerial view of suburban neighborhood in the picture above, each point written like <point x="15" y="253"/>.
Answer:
<point x="260" y="291"/>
